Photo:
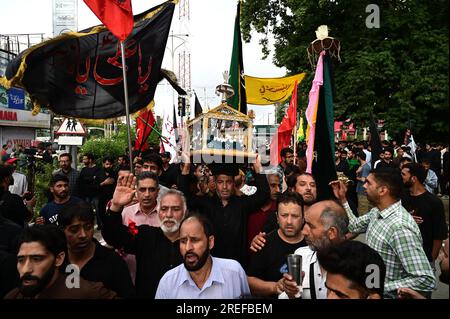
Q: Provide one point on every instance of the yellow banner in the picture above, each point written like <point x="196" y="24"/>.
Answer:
<point x="265" y="91"/>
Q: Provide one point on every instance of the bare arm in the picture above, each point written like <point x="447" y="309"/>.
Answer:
<point x="437" y="244"/>
<point x="260" y="287"/>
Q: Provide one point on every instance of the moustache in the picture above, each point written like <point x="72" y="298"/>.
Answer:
<point x="190" y="255"/>
<point x="28" y="277"/>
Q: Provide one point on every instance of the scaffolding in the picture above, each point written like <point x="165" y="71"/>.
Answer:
<point x="12" y="44"/>
<point x="16" y="43"/>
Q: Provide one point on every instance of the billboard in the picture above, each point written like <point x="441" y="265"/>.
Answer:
<point x="65" y="16"/>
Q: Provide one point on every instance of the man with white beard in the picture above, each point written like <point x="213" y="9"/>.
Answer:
<point x="156" y="248"/>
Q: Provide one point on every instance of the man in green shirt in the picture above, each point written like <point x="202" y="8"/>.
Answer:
<point x="392" y="232"/>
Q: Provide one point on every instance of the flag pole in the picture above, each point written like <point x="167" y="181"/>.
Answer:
<point x="295" y="140"/>
<point x="295" y="127"/>
<point x="127" y="109"/>
<point x="160" y="135"/>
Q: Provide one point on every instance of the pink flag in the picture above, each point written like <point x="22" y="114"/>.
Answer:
<point x="311" y="111"/>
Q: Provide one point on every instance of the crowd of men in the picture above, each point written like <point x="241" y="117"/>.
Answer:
<point x="185" y="230"/>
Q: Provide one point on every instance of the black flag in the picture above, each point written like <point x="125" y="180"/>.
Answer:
<point x="198" y="107"/>
<point x="375" y="143"/>
<point x="80" y="74"/>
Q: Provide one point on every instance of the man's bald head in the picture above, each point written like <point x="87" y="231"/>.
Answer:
<point x="331" y="214"/>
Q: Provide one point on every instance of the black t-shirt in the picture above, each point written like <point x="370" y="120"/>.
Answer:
<point x="9" y="277"/>
<point x="88" y="182"/>
<point x="107" y="267"/>
<point x="155" y="253"/>
<point x="169" y="177"/>
<point x="106" y="192"/>
<point x="269" y="264"/>
<point x="13" y="208"/>
<point x="430" y="208"/>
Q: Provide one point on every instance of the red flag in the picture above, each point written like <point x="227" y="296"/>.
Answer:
<point x="116" y="15"/>
<point x="143" y="129"/>
<point x="283" y="137"/>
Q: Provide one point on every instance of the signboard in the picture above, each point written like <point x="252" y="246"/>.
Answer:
<point x="71" y="127"/>
<point x="16" y="99"/>
<point x="70" y="140"/>
<point x="64" y="16"/>
<point x="12" y="136"/>
<point x="19" y="118"/>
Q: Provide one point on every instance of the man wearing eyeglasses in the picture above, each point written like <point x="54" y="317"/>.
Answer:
<point x="144" y="211"/>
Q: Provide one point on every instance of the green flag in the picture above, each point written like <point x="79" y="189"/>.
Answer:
<point x="323" y="167"/>
<point x="239" y="100"/>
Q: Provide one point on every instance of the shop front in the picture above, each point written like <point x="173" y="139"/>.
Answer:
<point x="17" y="125"/>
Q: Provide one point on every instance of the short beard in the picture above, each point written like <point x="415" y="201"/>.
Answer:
<point x="321" y="243"/>
<point x="309" y="202"/>
<point x="66" y="195"/>
<point x="200" y="263"/>
<point x="408" y="184"/>
<point x="41" y="283"/>
<point x="170" y="230"/>
<point x="373" y="201"/>
<point x="289" y="235"/>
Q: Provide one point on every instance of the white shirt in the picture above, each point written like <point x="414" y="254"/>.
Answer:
<point x="227" y="280"/>
<point x="368" y="155"/>
<point x="310" y="257"/>
<point x="431" y="182"/>
<point x="20" y="184"/>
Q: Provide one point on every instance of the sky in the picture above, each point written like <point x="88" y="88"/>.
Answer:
<point x="210" y="29"/>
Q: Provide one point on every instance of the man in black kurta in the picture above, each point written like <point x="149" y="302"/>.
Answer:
<point x="156" y="251"/>
<point x="227" y="212"/>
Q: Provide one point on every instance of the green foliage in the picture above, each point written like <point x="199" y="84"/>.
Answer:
<point x="154" y="137"/>
<point x="108" y="146"/>
<point x="281" y="110"/>
<point x="42" y="178"/>
<point x="398" y="71"/>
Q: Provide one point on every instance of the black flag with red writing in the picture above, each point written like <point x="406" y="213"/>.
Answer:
<point x="80" y="74"/>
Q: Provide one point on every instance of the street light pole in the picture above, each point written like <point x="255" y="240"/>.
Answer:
<point x="172" y="54"/>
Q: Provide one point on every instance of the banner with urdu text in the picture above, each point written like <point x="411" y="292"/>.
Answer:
<point x="266" y="91"/>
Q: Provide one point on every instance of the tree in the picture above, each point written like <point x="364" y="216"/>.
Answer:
<point x="113" y="146"/>
<point x="398" y="71"/>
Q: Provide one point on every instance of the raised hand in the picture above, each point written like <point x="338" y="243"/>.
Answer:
<point x="257" y="165"/>
<point x="339" y="190"/>
<point x="258" y="242"/>
<point x="39" y="220"/>
<point x="124" y="192"/>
